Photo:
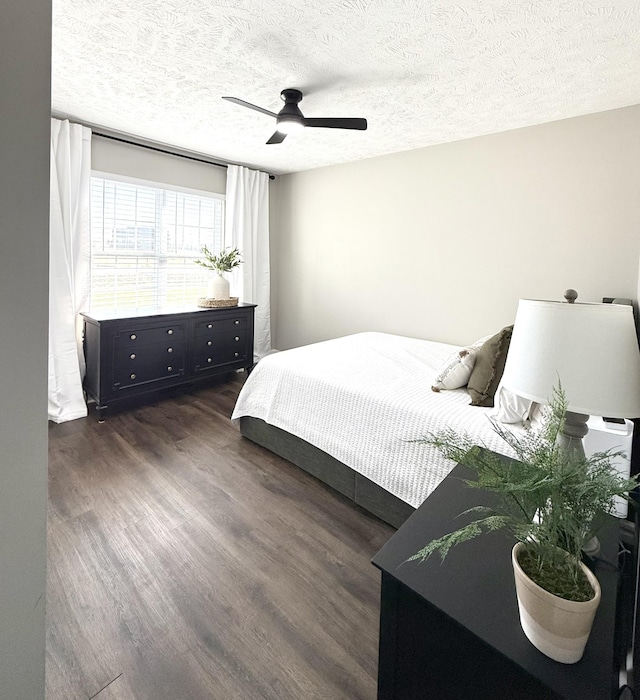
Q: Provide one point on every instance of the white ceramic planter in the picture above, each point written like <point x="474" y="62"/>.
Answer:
<point x="218" y="287"/>
<point x="559" y="628"/>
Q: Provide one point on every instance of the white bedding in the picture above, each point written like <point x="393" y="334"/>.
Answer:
<point x="361" y="398"/>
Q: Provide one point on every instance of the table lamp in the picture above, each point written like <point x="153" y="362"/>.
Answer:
<point x="590" y="349"/>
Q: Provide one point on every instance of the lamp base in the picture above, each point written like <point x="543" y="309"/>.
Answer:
<point x="570" y="440"/>
<point x="575" y="428"/>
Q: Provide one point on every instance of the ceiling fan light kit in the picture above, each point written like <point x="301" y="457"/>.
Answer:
<point x="290" y="119"/>
<point x="286" y="125"/>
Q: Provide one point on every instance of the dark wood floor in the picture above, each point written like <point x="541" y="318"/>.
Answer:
<point x="186" y="562"/>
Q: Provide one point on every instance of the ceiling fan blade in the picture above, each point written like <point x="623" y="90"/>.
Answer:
<point x="242" y="103"/>
<point x="337" y="123"/>
<point x="278" y="137"/>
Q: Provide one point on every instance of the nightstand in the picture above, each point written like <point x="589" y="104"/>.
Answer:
<point x="450" y="630"/>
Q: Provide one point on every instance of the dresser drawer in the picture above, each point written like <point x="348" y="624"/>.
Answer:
<point x="135" y="336"/>
<point x="223" y="350"/>
<point x="219" y="341"/>
<point x="148" y="363"/>
<point x="222" y="325"/>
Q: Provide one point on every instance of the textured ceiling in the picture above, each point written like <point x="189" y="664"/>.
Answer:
<point x="421" y="72"/>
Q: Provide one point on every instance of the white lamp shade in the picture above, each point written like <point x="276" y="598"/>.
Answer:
<point x="591" y="349"/>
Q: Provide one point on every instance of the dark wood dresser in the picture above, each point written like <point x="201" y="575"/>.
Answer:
<point x="132" y="354"/>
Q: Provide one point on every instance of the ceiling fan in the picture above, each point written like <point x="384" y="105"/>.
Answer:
<point x="290" y="119"/>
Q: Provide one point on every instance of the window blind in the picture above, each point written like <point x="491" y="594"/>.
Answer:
<point x="144" y="240"/>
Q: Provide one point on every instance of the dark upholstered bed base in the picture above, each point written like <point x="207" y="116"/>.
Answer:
<point x="348" y="482"/>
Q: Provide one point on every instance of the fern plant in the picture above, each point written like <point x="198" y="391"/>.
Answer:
<point x="225" y="261"/>
<point x="550" y="499"/>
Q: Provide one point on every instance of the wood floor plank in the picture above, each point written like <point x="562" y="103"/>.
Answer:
<point x="117" y="689"/>
<point x="187" y="562"/>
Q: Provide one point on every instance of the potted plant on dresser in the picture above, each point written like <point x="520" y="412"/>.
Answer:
<point x="223" y="262"/>
<point x="551" y="500"/>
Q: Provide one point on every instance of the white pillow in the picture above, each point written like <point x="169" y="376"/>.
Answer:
<point x="456" y="370"/>
<point x="511" y="408"/>
<point x="538" y="415"/>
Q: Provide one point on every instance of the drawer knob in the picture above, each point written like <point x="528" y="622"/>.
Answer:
<point x="169" y="369"/>
<point x="133" y="336"/>
<point x="209" y="359"/>
<point x="237" y="322"/>
<point x="209" y="325"/>
<point x="237" y="338"/>
<point x="237" y="354"/>
<point x="209" y="342"/>
<point x="169" y="349"/>
<point x="133" y="376"/>
<point x="170" y="332"/>
<point x="132" y="356"/>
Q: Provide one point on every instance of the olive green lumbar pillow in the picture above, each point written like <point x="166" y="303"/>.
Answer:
<point x="488" y="368"/>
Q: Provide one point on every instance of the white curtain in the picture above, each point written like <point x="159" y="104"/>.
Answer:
<point x="247" y="228"/>
<point x="69" y="267"/>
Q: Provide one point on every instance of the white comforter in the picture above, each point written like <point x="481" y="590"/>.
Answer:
<point x="361" y="399"/>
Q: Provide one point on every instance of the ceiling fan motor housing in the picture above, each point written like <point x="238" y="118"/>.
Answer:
<point x="290" y="112"/>
<point x="289" y="95"/>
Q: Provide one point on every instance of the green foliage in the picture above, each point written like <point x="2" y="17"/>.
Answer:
<point x="550" y="499"/>
<point x="223" y="262"/>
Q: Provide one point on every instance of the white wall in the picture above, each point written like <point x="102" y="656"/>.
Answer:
<point x="134" y="161"/>
<point x="441" y="242"/>
<point x="25" y="109"/>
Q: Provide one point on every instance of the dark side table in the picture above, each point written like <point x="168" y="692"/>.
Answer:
<point x="450" y="631"/>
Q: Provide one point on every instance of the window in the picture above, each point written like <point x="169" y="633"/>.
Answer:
<point x="144" y="240"/>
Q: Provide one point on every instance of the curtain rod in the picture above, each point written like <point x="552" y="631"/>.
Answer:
<point x="149" y="147"/>
<point x="122" y="137"/>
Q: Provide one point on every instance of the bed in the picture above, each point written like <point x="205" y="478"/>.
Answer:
<point x="348" y="410"/>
